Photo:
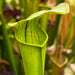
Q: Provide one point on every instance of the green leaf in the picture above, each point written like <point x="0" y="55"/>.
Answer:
<point x="32" y="40"/>
<point x="62" y="8"/>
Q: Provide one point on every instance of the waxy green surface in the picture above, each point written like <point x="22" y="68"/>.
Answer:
<point x="32" y="40"/>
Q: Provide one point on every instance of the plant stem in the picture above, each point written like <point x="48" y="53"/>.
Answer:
<point x="55" y="30"/>
<point x="56" y="26"/>
<point x="56" y="70"/>
<point x="58" y="60"/>
<point x="29" y="7"/>
<point x="44" y="20"/>
<point x="73" y="45"/>
<point x="8" y="45"/>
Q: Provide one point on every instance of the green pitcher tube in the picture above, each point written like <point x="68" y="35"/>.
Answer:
<point x="32" y="43"/>
<point x="33" y="59"/>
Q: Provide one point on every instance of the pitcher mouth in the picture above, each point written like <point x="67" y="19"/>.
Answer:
<point x="32" y="18"/>
<point x="37" y="45"/>
<point x="59" y="65"/>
